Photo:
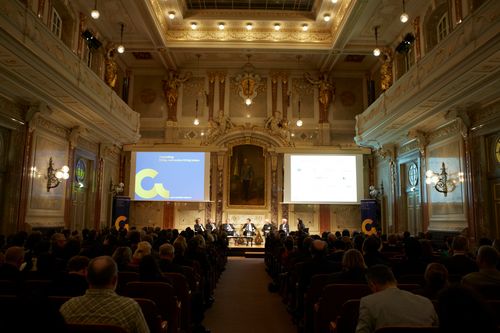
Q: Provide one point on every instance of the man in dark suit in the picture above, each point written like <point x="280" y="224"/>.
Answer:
<point x="390" y="306"/>
<point x="228" y="228"/>
<point x="249" y="228"/>
<point x="301" y="227"/>
<point x="198" y="226"/>
<point x="460" y="263"/>
<point x="284" y="226"/>
<point x="211" y="226"/>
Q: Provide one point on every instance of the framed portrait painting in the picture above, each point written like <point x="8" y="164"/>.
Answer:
<point x="247" y="175"/>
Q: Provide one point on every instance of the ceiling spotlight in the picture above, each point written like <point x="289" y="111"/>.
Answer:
<point x="221" y="26"/>
<point x="194" y="25"/>
<point x="326" y="17"/>
<point x="120" y="47"/>
<point x="334" y="1"/>
<point x="305" y="27"/>
<point x="376" y="52"/>
<point x="277" y="26"/>
<point x="249" y="26"/>
<point x="196" y="122"/>
<point x="171" y="15"/>
<point x="404" y="17"/>
<point x="95" y="13"/>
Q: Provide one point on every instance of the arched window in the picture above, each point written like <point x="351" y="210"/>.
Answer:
<point x="56" y="23"/>
<point x="442" y="29"/>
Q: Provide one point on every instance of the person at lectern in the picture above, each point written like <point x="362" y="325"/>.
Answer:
<point x="211" y="226"/>
<point x="249" y="228"/>
<point x="228" y="228"/>
<point x="301" y="227"/>
<point x="284" y="226"/>
<point x="198" y="226"/>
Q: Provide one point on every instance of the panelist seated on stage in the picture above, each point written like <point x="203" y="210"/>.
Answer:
<point x="249" y="228"/>
<point x="198" y="226"/>
<point x="267" y="228"/>
<point x="211" y="226"/>
<point x="229" y="228"/>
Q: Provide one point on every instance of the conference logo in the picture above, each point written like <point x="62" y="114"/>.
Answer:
<point x="157" y="188"/>
<point x="368" y="227"/>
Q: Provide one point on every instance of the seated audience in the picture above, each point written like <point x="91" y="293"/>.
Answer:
<point x="73" y="282"/>
<point x="459" y="263"/>
<point x="318" y="264"/>
<point x="371" y="252"/>
<point x="390" y="306"/>
<point x="436" y="279"/>
<point x="412" y="262"/>
<point x="462" y="310"/>
<point x="123" y="256"/>
<point x="488" y="275"/>
<point x="10" y="270"/>
<point x="166" y="261"/>
<point x="100" y="304"/>
<point x="149" y="270"/>
<point x="353" y="268"/>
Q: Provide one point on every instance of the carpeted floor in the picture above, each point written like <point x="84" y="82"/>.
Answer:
<point x="243" y="303"/>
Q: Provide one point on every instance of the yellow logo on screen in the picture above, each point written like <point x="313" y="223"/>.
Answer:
<point x="157" y="189"/>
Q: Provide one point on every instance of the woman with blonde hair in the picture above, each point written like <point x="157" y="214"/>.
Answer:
<point x="143" y="249"/>
<point x="353" y="268"/>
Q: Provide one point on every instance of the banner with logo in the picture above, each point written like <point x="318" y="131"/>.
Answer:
<point x="370" y="216"/>
<point x="121" y="207"/>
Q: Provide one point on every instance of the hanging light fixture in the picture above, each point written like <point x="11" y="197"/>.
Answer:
<point x="326" y="17"/>
<point x="299" y="122"/>
<point x="196" y="121"/>
<point x="305" y="27"/>
<point x="120" y="47"/>
<point x="171" y="15"/>
<point x="248" y="99"/>
<point x="376" y="50"/>
<point x="95" y="13"/>
<point x="404" y="16"/>
<point x="249" y="26"/>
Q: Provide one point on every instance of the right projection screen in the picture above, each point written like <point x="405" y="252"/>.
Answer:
<point x="323" y="178"/>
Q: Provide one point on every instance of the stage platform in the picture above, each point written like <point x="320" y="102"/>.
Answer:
<point x="255" y="251"/>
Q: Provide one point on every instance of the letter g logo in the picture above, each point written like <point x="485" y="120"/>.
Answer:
<point x="157" y="189"/>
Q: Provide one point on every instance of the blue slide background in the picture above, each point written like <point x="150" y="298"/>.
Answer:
<point x="184" y="180"/>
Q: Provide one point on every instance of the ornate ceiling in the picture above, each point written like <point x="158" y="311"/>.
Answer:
<point x="342" y="44"/>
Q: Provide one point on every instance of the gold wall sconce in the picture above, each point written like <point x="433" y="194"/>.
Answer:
<point x="444" y="182"/>
<point x="56" y="176"/>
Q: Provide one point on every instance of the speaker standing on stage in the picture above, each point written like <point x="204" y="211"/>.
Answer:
<point x="301" y="227"/>
<point x="284" y="226"/>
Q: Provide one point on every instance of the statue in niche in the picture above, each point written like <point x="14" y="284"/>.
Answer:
<point x="170" y="89"/>
<point x="326" y="92"/>
<point x="110" y="67"/>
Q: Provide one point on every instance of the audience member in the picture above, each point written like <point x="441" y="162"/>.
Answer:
<point x="166" y="261"/>
<point x="123" y="257"/>
<point x="460" y="263"/>
<point x="353" y="268"/>
<point x="73" y="282"/>
<point x="436" y="279"/>
<point x="10" y="270"/>
<point x="488" y="277"/>
<point x="371" y="252"/>
<point x="100" y="304"/>
<point x="390" y="306"/>
<point x="460" y="309"/>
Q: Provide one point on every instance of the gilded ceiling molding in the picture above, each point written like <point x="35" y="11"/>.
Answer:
<point x="249" y="36"/>
<point x="446" y="131"/>
<point x="420" y="139"/>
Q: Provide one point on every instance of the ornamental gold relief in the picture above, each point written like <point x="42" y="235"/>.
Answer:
<point x="243" y="35"/>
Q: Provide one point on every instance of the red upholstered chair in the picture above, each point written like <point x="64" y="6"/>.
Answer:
<point x="163" y="294"/>
<point x="95" y="328"/>
<point x="183" y="294"/>
<point x="152" y="315"/>
<point x="330" y="304"/>
<point x="348" y="318"/>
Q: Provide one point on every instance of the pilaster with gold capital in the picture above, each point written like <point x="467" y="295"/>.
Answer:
<point x="418" y="38"/>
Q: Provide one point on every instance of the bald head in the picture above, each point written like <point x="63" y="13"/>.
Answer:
<point x="318" y="248"/>
<point x="102" y="273"/>
<point x="14" y="256"/>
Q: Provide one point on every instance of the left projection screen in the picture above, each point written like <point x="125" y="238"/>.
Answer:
<point x="170" y="176"/>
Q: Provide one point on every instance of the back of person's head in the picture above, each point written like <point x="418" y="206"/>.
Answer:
<point x="460" y="309"/>
<point x="487" y="257"/>
<point x="338" y="234"/>
<point x="289" y="243"/>
<point x="371" y="244"/>
<point x="14" y="256"/>
<point x="346" y="232"/>
<point x="353" y="259"/>
<point x="102" y="272"/>
<point x="318" y="248"/>
<point x="143" y="249"/>
<point x="338" y="244"/>
<point x="413" y="249"/>
<point x="380" y="275"/>
<point x="436" y="276"/>
<point x="460" y="243"/>
<point x="148" y="266"/>
<point x="485" y="241"/>
<point x="122" y="255"/>
<point x="180" y="245"/>
<point x="77" y="263"/>
<point x="167" y="250"/>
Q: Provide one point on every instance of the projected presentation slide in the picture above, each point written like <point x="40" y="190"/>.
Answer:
<point x="171" y="176"/>
<point x="323" y="178"/>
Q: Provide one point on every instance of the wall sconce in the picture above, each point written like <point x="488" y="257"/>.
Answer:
<point x="56" y="176"/>
<point x="444" y="183"/>
<point x="116" y="189"/>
